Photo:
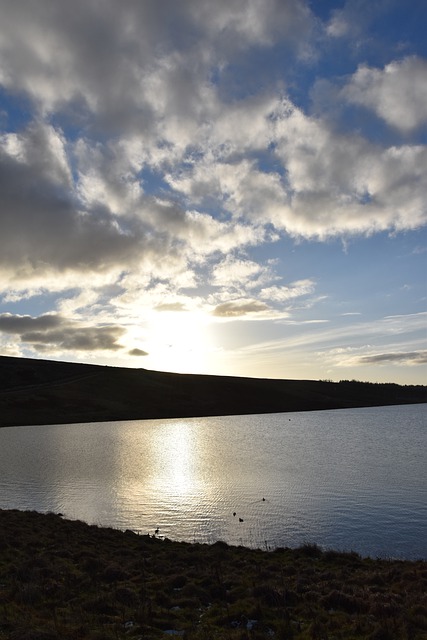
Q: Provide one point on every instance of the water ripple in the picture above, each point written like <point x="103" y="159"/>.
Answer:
<point x="350" y="479"/>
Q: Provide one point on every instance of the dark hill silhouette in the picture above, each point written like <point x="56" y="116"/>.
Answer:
<point x="48" y="392"/>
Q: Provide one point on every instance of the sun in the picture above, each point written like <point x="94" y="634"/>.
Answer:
<point x="179" y="341"/>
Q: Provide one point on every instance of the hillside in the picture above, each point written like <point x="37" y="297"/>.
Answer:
<point x="47" y="392"/>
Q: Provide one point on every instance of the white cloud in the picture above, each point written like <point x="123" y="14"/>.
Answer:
<point x="337" y="26"/>
<point x="240" y="274"/>
<point x="397" y="93"/>
<point x="344" y="184"/>
<point x="285" y="293"/>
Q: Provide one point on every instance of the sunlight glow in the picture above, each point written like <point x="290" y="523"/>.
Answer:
<point x="179" y="341"/>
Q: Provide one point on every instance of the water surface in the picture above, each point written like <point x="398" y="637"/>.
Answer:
<point x="345" y="479"/>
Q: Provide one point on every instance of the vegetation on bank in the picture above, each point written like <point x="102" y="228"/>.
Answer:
<point x="67" y="580"/>
<point x="46" y="392"/>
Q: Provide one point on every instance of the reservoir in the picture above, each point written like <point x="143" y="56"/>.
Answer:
<point x="349" y="479"/>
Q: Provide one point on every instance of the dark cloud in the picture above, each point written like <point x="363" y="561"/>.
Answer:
<point x="53" y="332"/>
<point x="239" y="308"/>
<point x="22" y="324"/>
<point x="41" y="227"/>
<point x="51" y="223"/>
<point x="94" y="49"/>
<point x="44" y="228"/>
<point x="137" y="352"/>
<point x="97" y="55"/>
<point x="408" y="358"/>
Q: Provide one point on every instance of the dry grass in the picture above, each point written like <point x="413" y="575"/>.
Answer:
<point x="67" y="580"/>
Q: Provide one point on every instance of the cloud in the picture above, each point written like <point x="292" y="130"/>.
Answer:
<point x="137" y="88"/>
<point x="353" y="19"/>
<point x="241" y="273"/>
<point x="338" y="26"/>
<point x="397" y="93"/>
<point x="154" y="157"/>
<point x="382" y="330"/>
<point x="23" y="324"/>
<point x="61" y="56"/>
<point x="246" y="280"/>
<point x="342" y="184"/>
<point x="135" y="63"/>
<point x="54" y="333"/>
<point x="170" y="306"/>
<point x="240" y="23"/>
<point x="324" y="183"/>
<point x="77" y="206"/>
<point x="42" y="225"/>
<point x="52" y="227"/>
<point x="284" y="293"/>
<point x="408" y="358"/>
<point x="239" y="308"/>
<point x="137" y="352"/>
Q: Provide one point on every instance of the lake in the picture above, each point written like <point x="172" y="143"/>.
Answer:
<point x="349" y="479"/>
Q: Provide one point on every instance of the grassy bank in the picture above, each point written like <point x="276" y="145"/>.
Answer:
<point x="47" y="392"/>
<point x="67" y="580"/>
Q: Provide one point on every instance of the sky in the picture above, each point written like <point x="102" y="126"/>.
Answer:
<point x="235" y="187"/>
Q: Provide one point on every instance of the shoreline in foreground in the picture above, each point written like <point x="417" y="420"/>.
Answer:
<point x="67" y="579"/>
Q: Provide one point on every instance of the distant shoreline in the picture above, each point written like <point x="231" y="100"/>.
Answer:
<point x="218" y="415"/>
<point x="36" y="392"/>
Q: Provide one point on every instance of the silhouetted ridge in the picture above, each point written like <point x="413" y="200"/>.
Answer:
<point x="47" y="392"/>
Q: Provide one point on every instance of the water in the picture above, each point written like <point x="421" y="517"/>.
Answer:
<point x="348" y="479"/>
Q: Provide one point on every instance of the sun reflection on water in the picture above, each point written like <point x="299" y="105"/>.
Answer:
<point x="184" y="479"/>
<point x="176" y="453"/>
